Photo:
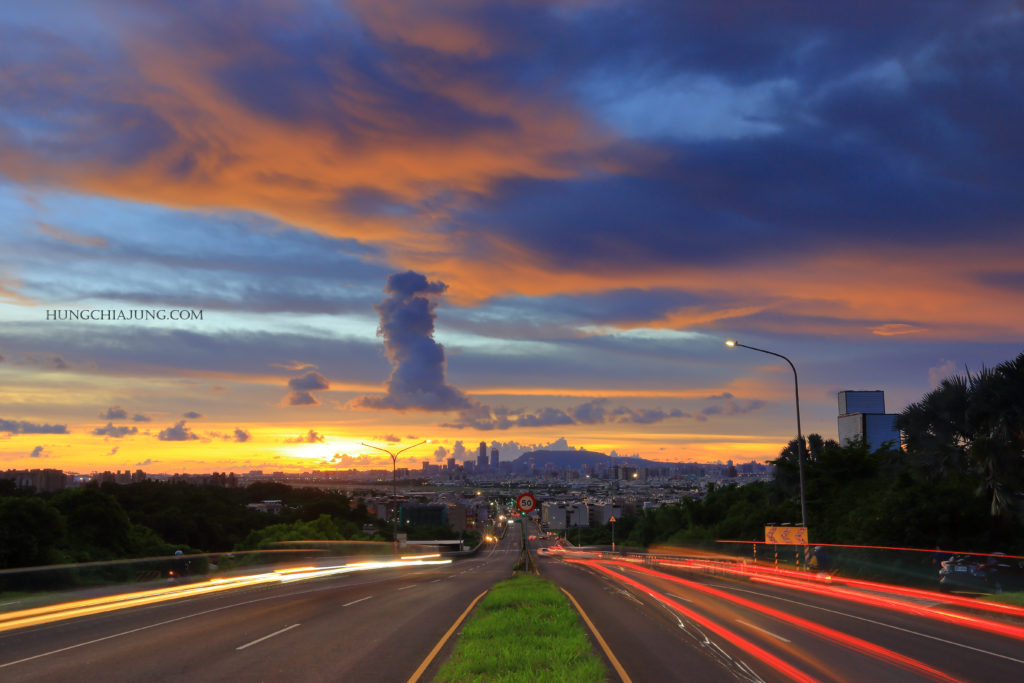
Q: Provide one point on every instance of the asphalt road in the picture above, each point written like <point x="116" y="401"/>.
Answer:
<point x="673" y="628"/>
<point x="368" y="626"/>
<point x="661" y="623"/>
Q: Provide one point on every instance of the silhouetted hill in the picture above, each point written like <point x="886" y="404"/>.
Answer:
<point x="572" y="460"/>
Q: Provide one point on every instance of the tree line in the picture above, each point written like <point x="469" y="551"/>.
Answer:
<point x="148" y="519"/>
<point x="957" y="481"/>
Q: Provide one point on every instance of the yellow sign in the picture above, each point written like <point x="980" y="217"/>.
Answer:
<point x="786" y="535"/>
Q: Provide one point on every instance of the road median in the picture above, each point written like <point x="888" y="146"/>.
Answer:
<point x="523" y="630"/>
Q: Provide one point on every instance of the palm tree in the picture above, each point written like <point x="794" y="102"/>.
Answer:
<point x="974" y="425"/>
<point x="936" y="430"/>
<point x="996" y="451"/>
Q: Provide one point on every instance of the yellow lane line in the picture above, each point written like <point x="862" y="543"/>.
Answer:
<point x="444" y="639"/>
<point x="604" y="646"/>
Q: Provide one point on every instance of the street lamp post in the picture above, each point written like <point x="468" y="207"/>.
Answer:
<point x="799" y="434"/>
<point x="394" y="482"/>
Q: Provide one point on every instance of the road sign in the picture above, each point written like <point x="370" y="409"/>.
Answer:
<point x="786" y="535"/>
<point x="611" y="520"/>
<point x="526" y="502"/>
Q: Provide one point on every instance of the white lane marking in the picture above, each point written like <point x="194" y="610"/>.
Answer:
<point x="882" y="623"/>
<point x="171" y="621"/>
<point x="407" y="587"/>
<point x="435" y="580"/>
<point x="355" y="601"/>
<point x="673" y="595"/>
<point x="765" y="631"/>
<point x="260" y="640"/>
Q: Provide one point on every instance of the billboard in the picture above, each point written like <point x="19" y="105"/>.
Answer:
<point x="786" y="535"/>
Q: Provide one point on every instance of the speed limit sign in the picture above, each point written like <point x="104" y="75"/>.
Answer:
<point x="526" y="502"/>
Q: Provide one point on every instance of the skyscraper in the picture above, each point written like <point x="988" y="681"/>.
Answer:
<point x="862" y="416"/>
<point x="494" y="458"/>
<point x="481" y="460"/>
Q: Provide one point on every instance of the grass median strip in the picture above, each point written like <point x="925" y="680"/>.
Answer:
<point x="523" y="630"/>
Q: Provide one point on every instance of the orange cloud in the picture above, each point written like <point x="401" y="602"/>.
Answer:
<point x="896" y="329"/>
<point x="936" y="292"/>
<point x="431" y="26"/>
<point x="223" y="152"/>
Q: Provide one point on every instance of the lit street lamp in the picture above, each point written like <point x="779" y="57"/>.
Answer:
<point x="799" y="435"/>
<point x="394" y="481"/>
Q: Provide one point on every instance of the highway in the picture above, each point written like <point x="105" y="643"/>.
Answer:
<point x="685" y="620"/>
<point x="669" y="619"/>
<point x="367" y="626"/>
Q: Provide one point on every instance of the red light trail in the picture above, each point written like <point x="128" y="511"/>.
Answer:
<point x="734" y="638"/>
<point x="852" y="642"/>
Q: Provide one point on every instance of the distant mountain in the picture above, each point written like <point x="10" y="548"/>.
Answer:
<point x="573" y="460"/>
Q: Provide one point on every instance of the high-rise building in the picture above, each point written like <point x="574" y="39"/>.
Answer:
<point x="451" y="464"/>
<point x="862" y="416"/>
<point x="481" y="460"/>
<point x="494" y="458"/>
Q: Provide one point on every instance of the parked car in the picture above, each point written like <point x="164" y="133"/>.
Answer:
<point x="993" y="573"/>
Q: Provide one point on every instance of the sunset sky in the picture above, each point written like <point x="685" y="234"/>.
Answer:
<point x="526" y="223"/>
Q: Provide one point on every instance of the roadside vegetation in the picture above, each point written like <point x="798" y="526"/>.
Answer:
<point x="523" y="630"/>
<point x="1016" y="598"/>
<point x="958" y="484"/>
<point x="106" y="522"/>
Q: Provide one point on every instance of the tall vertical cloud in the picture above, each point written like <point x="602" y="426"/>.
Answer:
<point x="418" y="364"/>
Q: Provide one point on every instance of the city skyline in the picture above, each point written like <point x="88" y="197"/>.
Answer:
<point x="528" y="224"/>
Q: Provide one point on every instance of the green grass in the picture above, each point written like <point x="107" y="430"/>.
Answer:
<point x="1007" y="598"/>
<point x="523" y="630"/>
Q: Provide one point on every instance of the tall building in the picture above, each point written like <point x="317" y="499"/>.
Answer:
<point x="451" y="464"/>
<point x="41" y="480"/>
<point x="481" y="460"/>
<point x="862" y="416"/>
<point x="494" y="458"/>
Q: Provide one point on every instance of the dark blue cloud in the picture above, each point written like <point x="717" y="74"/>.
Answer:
<point x="311" y="381"/>
<point x="123" y="351"/>
<point x="25" y="427"/>
<point x="615" y="306"/>
<point x="114" y="413"/>
<point x="591" y="412"/>
<point x="312" y="436"/>
<point x="115" y="432"/>
<point x="302" y="389"/>
<point x="897" y="124"/>
<point x="179" y="432"/>
<point x="85" y="120"/>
